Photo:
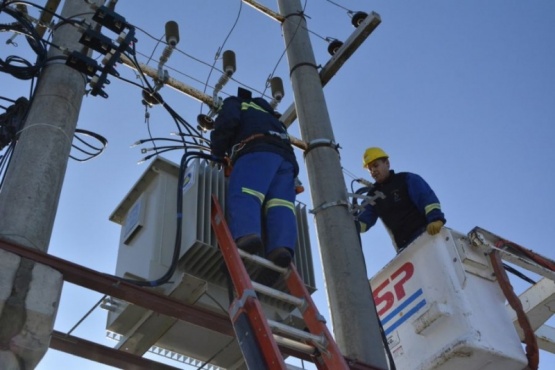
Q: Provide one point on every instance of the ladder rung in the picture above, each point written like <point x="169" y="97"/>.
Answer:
<point x="295" y="345"/>
<point x="262" y="262"/>
<point x="279" y="328"/>
<point x="278" y="294"/>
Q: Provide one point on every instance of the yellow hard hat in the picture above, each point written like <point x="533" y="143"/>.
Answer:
<point x="371" y="154"/>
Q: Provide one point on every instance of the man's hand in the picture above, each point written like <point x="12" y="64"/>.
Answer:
<point x="227" y="166"/>
<point x="434" y="227"/>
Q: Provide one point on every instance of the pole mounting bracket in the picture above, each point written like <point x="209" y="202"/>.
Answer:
<point x="316" y="143"/>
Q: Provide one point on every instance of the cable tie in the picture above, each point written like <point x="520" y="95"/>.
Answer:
<point x="302" y="65"/>
<point x="44" y="124"/>
<point x="300" y="14"/>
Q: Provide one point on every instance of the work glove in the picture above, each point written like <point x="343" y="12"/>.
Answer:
<point x="434" y="227"/>
<point x="299" y="188"/>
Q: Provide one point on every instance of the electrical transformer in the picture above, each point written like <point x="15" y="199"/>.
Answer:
<point x="147" y="249"/>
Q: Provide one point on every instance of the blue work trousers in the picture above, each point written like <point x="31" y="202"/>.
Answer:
<point x="261" y="194"/>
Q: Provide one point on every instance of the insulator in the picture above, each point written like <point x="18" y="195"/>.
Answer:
<point x="172" y="33"/>
<point x="229" y="62"/>
<point x="205" y="122"/>
<point x="151" y="98"/>
<point x="358" y="18"/>
<point x="334" y="46"/>
<point x="276" y="85"/>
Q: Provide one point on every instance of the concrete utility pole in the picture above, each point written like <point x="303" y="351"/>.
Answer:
<point x="30" y="292"/>
<point x="354" y="317"/>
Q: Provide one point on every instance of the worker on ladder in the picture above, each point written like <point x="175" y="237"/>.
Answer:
<point x="404" y="201"/>
<point x="262" y="182"/>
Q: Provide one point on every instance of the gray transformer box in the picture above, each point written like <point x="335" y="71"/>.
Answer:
<point x="148" y="219"/>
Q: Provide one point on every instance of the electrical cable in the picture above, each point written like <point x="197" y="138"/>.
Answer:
<point x="530" y="340"/>
<point x="148" y="129"/>
<point x="16" y="66"/>
<point x="6" y="99"/>
<point x="98" y="150"/>
<point x="382" y="331"/>
<point x="165" y="148"/>
<point x="44" y="10"/>
<point x="158" y="97"/>
<point x="5" y="160"/>
<point x="178" y="119"/>
<point x="158" y="42"/>
<point x="348" y="173"/>
<point x="70" y="21"/>
<point x="152" y="139"/>
<point x="519" y="274"/>
<point x="87" y="314"/>
<point x="340" y="6"/>
<point x="216" y="354"/>
<point x="11" y="122"/>
<point x="129" y="82"/>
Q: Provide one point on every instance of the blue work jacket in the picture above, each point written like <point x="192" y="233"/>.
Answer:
<point x="239" y="120"/>
<point x="405" y="203"/>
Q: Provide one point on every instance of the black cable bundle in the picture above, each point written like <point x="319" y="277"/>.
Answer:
<point x="17" y="66"/>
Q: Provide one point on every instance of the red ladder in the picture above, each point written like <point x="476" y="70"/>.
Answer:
<point x="258" y="337"/>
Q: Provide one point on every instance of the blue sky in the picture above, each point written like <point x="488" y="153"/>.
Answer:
<point x="460" y="92"/>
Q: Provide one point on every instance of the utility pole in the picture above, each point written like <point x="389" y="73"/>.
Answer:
<point x="354" y="317"/>
<point x="29" y="201"/>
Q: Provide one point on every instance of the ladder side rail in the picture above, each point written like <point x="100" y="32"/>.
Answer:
<point x="331" y="355"/>
<point x="247" y="300"/>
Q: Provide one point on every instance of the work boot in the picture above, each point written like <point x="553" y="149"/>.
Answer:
<point x="280" y="257"/>
<point x="250" y="243"/>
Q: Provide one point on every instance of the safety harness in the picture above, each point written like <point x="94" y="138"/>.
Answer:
<point x="270" y="135"/>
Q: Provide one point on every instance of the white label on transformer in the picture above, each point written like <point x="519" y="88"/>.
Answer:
<point x="189" y="178"/>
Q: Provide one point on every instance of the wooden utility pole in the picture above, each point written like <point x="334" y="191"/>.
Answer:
<point x="29" y="201"/>
<point x="354" y="318"/>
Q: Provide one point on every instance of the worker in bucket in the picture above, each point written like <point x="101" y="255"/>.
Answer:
<point x="261" y="190"/>
<point x="404" y="202"/>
